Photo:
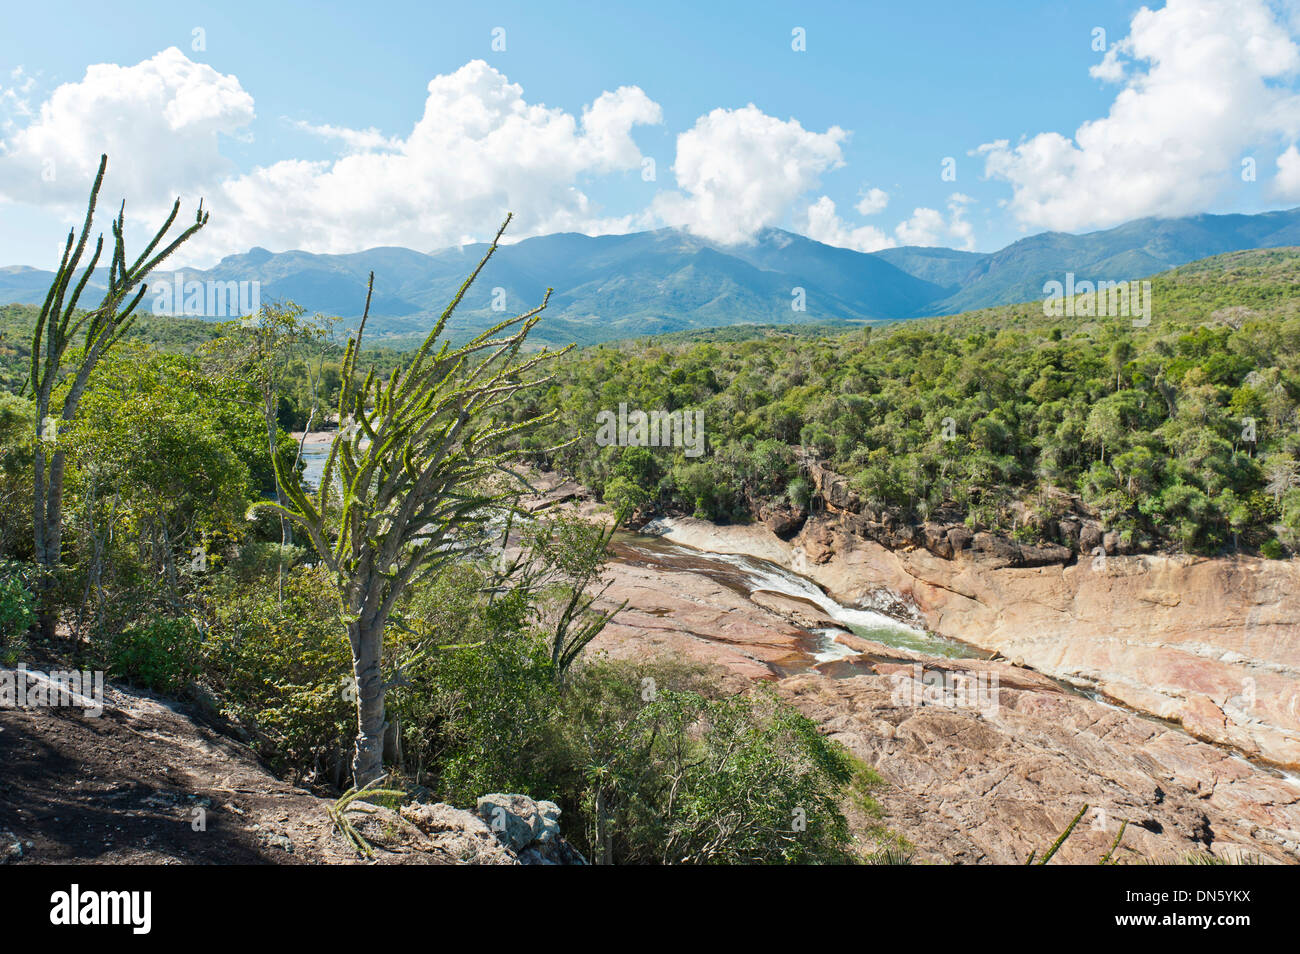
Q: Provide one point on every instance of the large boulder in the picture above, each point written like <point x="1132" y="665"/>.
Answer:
<point x="530" y="829"/>
<point x="504" y="830"/>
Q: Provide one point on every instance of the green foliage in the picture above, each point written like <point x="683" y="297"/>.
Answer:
<point x="983" y="415"/>
<point x="161" y="654"/>
<point x="278" y="659"/>
<point x="17" y="611"/>
<point x="680" y="776"/>
<point x="17" y="419"/>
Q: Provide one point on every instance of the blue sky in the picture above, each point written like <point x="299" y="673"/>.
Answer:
<point x="296" y="121"/>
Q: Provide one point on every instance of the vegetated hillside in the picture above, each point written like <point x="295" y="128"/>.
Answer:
<point x="611" y="287"/>
<point x="987" y="415"/>
<point x="606" y="287"/>
<point x="178" y="335"/>
<point x="1143" y="247"/>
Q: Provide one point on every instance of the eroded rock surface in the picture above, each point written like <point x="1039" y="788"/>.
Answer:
<point x="1211" y="643"/>
<point x="973" y="784"/>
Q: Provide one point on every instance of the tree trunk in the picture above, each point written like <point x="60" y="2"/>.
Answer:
<point x="367" y="638"/>
<point x="47" y="520"/>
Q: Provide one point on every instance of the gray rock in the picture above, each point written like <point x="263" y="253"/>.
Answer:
<point x="518" y="821"/>
<point x="528" y="828"/>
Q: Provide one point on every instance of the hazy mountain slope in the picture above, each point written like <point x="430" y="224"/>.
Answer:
<point x="645" y="283"/>
<point x="1135" y="249"/>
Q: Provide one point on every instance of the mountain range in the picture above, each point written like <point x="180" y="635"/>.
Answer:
<point x="618" y="286"/>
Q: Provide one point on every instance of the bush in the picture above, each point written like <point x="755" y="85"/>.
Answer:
<point x="799" y="493"/>
<point x="281" y="664"/>
<point x="475" y="718"/>
<point x="17" y="612"/>
<point x="682" y="776"/>
<point x="1272" y="549"/>
<point x="159" y="654"/>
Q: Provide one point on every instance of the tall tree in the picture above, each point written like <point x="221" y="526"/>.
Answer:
<point x="57" y="326"/>
<point x="414" y="454"/>
<point x="261" y="348"/>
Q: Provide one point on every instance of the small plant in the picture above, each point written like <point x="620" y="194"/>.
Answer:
<point x="799" y="493"/>
<point x="338" y="813"/>
<point x="1056" y="845"/>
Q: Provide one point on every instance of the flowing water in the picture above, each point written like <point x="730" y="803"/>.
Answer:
<point x="313" y="458"/>
<point x="746" y="575"/>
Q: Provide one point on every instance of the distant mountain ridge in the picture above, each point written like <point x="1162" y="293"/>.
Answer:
<point x="643" y="283"/>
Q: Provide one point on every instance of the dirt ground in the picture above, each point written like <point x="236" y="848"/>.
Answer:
<point x="144" y="783"/>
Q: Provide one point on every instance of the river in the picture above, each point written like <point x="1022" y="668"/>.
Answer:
<point x="747" y="575"/>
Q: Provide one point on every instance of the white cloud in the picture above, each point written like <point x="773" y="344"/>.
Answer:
<point x="15" y="101"/>
<point x="824" y="225"/>
<point x="1287" y="182"/>
<point x="929" y="227"/>
<point x="354" y="140"/>
<point x="741" y="170"/>
<point x="479" y="150"/>
<point x="872" y="201"/>
<point x="1211" y="90"/>
<point x="1111" y="67"/>
<point x="158" y="121"/>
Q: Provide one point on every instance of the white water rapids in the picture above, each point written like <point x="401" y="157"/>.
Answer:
<point x="748" y="575"/>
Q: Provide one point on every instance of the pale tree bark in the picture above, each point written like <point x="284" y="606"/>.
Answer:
<point x="413" y="454"/>
<point x="57" y="325"/>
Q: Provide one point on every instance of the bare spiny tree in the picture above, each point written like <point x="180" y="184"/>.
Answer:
<point x="413" y="456"/>
<point x="57" y="328"/>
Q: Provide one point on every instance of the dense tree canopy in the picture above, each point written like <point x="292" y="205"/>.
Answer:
<point x="1182" y="433"/>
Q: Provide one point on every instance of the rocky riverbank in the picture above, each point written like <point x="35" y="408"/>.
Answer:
<point x="1213" y="644"/>
<point x="987" y="783"/>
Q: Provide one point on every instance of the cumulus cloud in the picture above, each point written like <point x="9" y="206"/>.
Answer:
<point x="159" y="122"/>
<point x="741" y="170"/>
<point x="1287" y="182"/>
<point x="824" y="224"/>
<point x="872" y="201"/>
<point x="479" y="150"/>
<point x="1203" y="84"/>
<point x="929" y="227"/>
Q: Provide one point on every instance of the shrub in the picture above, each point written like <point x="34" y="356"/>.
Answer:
<point x="17" y="612"/>
<point x="799" y="493"/>
<point x="160" y="654"/>
<point x="280" y="662"/>
<point x="683" y="776"/>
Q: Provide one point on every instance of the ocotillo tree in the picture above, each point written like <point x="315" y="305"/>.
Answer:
<point x="413" y="456"/>
<point x="57" y="326"/>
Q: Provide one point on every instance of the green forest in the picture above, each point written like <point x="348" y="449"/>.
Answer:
<point x="1180" y="435"/>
